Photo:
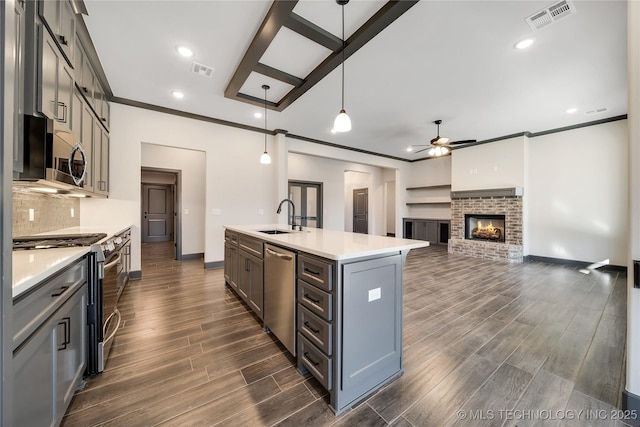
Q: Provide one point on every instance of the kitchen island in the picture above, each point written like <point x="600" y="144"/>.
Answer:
<point x="338" y="309"/>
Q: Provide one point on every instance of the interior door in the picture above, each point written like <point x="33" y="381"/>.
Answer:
<point x="307" y="197"/>
<point x="361" y="210"/>
<point x="157" y="213"/>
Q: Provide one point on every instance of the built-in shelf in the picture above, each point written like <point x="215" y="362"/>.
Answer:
<point x="434" y="195"/>
<point x="430" y="201"/>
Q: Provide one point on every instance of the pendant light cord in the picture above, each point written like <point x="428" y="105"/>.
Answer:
<point x="265" y="118"/>
<point x="343" y="46"/>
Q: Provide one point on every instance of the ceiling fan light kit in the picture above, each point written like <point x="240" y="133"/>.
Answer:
<point x="265" y="158"/>
<point x="438" y="146"/>
<point x="342" y="123"/>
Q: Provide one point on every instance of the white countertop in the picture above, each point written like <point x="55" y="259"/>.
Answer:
<point x="30" y="267"/>
<point x="331" y="244"/>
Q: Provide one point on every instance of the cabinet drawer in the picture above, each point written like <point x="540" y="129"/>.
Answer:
<point x="231" y="236"/>
<point x="318" y="301"/>
<point x="251" y="245"/>
<point x="31" y="309"/>
<point x="317" y="330"/>
<point x="316" y="271"/>
<point x="315" y="361"/>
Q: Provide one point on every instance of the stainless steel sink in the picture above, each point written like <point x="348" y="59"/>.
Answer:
<point x="273" y="231"/>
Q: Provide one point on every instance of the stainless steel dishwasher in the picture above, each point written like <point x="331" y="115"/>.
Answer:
<point x="280" y="294"/>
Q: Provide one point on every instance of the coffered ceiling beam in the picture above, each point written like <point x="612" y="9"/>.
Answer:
<point x="278" y="75"/>
<point x="277" y="15"/>
<point x="387" y="14"/>
<point x="311" y="31"/>
<point x="281" y="14"/>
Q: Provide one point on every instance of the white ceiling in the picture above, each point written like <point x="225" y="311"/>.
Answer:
<point x="449" y="60"/>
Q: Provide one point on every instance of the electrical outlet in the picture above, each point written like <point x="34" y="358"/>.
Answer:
<point x="32" y="214"/>
<point x="73" y="212"/>
<point x="260" y="211"/>
<point x="186" y="211"/>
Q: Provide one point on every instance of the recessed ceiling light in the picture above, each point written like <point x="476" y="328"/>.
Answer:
<point x="571" y="110"/>
<point x="184" y="51"/>
<point x="409" y="149"/>
<point x="257" y="114"/>
<point x="177" y="94"/>
<point x="523" y="44"/>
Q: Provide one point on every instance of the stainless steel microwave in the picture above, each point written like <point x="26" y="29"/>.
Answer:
<point x="53" y="159"/>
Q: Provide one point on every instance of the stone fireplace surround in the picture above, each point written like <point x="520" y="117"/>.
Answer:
<point x="500" y="201"/>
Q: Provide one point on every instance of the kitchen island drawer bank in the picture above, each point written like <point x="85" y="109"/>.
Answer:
<point x="345" y="302"/>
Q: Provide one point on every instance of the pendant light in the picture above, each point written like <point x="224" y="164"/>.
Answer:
<point x="342" y="122"/>
<point x="265" y="159"/>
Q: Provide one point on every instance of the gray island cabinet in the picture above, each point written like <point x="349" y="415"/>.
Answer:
<point x="348" y="304"/>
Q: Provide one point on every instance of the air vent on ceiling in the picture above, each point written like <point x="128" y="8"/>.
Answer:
<point x="596" y="111"/>
<point x="551" y="14"/>
<point x="202" y="70"/>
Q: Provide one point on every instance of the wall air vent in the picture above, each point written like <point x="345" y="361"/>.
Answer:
<point x="202" y="70"/>
<point x="596" y="111"/>
<point x="551" y="14"/>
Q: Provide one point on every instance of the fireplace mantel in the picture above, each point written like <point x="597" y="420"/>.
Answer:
<point x="491" y="192"/>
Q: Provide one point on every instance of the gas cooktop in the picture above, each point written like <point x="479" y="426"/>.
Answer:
<point x="56" y="241"/>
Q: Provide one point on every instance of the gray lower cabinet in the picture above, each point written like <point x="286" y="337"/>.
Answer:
<point x="350" y="324"/>
<point x="244" y="268"/>
<point x="435" y="231"/>
<point x="251" y="281"/>
<point x="49" y="353"/>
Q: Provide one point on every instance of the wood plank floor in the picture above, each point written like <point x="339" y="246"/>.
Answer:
<point x="486" y="343"/>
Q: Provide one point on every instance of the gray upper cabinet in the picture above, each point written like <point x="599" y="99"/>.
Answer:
<point x="100" y="159"/>
<point x="60" y="20"/>
<point x="88" y="144"/>
<point x="55" y="78"/>
<point x="18" y="94"/>
<point x="86" y="79"/>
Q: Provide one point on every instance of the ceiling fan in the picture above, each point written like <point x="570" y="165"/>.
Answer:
<point x="439" y="145"/>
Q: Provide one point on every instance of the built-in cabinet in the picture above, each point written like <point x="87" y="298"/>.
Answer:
<point x="348" y="321"/>
<point x="61" y="84"/>
<point x="250" y="272"/>
<point x="435" y="231"/>
<point x="49" y="353"/>
<point x="19" y="78"/>
<point x="244" y="269"/>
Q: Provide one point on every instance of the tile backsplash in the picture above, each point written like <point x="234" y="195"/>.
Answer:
<point x="50" y="212"/>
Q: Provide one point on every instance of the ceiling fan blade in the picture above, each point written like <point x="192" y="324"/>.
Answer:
<point x="424" y="149"/>
<point x="466" y="141"/>
<point x="439" y="140"/>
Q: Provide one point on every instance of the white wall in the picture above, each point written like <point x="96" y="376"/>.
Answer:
<point x="331" y="172"/>
<point x="235" y="182"/>
<point x="191" y="164"/>
<point x="498" y="164"/>
<point x="633" y="294"/>
<point x="435" y="171"/>
<point x="577" y="194"/>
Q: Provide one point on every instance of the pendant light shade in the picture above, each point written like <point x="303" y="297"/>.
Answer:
<point x="342" y="123"/>
<point x="265" y="158"/>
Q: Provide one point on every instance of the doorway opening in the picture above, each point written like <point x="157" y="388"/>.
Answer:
<point x="161" y="199"/>
<point x="307" y="196"/>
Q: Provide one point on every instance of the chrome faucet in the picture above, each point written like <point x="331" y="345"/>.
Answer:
<point x="293" y="217"/>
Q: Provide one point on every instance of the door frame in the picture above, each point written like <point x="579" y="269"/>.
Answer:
<point x="177" y="207"/>
<point x="320" y="205"/>
<point x="353" y="210"/>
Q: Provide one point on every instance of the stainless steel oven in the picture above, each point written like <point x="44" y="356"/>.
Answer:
<point x="111" y="275"/>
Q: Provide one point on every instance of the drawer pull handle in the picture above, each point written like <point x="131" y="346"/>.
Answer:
<point x="315" y="273"/>
<point x="60" y="291"/>
<point x="310" y="359"/>
<point x="307" y="296"/>
<point x="315" y="331"/>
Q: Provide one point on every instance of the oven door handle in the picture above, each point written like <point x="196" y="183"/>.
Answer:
<point x="112" y="263"/>
<point x="116" y="312"/>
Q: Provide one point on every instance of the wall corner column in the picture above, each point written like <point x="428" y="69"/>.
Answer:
<point x="631" y="394"/>
<point x="281" y="154"/>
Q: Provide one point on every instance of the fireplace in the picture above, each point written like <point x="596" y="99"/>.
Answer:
<point x="490" y="228"/>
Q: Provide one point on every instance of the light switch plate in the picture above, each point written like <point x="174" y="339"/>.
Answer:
<point x="216" y="212"/>
<point x="32" y="214"/>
